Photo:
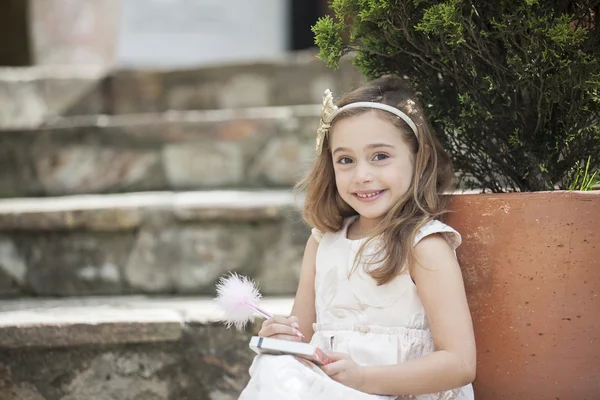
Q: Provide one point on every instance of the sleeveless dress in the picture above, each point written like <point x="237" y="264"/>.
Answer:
<point x="375" y="325"/>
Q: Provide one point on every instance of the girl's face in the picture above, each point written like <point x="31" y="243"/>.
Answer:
<point x="373" y="166"/>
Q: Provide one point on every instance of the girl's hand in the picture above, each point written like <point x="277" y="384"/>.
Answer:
<point x="279" y="327"/>
<point x="345" y="371"/>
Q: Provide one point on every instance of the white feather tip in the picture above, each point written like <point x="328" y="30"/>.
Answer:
<point x="234" y="295"/>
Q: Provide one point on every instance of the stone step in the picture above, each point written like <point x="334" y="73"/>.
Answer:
<point x="123" y="348"/>
<point x="156" y="242"/>
<point x="33" y="96"/>
<point x="176" y="150"/>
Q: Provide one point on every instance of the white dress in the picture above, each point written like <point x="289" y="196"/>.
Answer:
<point x="375" y="325"/>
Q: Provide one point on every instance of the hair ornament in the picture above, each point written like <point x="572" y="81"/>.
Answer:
<point x="330" y="110"/>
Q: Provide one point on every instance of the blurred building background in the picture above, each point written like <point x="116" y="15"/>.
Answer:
<point x="153" y="33"/>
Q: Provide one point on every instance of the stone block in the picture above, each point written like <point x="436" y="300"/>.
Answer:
<point x="15" y="180"/>
<point x="203" y="164"/>
<point x="74" y="263"/>
<point x="132" y="92"/>
<point x="13" y="268"/>
<point x="94" y="169"/>
<point x="31" y="96"/>
<point x="195" y="257"/>
<point x="284" y="259"/>
<point x="22" y="104"/>
<point x="245" y="90"/>
<point x="283" y="162"/>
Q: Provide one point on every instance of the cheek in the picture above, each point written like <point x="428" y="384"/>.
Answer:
<point x="341" y="179"/>
<point x="402" y="177"/>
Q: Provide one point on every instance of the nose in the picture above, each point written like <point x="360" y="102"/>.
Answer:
<point x="363" y="173"/>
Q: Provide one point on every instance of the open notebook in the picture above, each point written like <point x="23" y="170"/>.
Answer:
<point x="307" y="351"/>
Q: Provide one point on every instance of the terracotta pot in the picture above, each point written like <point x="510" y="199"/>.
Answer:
<point x="531" y="263"/>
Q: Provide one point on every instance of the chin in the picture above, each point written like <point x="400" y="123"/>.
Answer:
<point x="369" y="214"/>
<point x="373" y="217"/>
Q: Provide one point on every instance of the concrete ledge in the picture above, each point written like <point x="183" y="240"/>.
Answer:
<point x="116" y="212"/>
<point x="185" y="117"/>
<point x="235" y="205"/>
<point x="99" y="327"/>
<point x="108" y="320"/>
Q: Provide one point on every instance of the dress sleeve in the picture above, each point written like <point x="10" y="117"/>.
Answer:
<point x="317" y="234"/>
<point x="452" y="237"/>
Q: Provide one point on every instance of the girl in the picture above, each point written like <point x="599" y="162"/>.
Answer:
<point x="380" y="288"/>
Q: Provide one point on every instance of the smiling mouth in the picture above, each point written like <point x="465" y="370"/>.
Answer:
<point x="368" y="195"/>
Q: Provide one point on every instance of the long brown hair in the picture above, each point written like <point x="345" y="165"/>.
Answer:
<point x="325" y="210"/>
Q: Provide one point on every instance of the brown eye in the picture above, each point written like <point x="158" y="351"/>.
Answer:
<point x="344" y="160"/>
<point x="380" y="157"/>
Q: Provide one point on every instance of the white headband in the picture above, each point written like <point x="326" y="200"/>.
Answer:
<point x="330" y="111"/>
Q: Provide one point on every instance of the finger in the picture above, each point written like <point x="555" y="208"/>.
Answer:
<point x="333" y="368"/>
<point x="338" y="356"/>
<point x="294" y="338"/>
<point x="277" y="329"/>
<point x="293" y="321"/>
<point x="276" y="319"/>
<point x="305" y="362"/>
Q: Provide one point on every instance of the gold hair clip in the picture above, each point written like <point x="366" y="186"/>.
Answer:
<point x="328" y="112"/>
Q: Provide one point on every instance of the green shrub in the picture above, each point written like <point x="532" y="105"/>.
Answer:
<point x="513" y="87"/>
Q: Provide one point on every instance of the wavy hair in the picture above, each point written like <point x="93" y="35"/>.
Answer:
<point x="325" y="210"/>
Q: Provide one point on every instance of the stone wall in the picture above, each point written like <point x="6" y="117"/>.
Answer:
<point x="36" y="96"/>
<point x="295" y="79"/>
<point x="132" y="349"/>
<point x="161" y="243"/>
<point x="259" y="148"/>
<point x="207" y="363"/>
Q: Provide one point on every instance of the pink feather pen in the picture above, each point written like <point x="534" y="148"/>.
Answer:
<point x="238" y="297"/>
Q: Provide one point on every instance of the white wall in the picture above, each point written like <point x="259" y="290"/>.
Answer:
<point x="179" y="33"/>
